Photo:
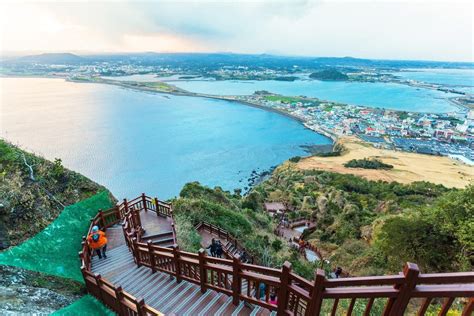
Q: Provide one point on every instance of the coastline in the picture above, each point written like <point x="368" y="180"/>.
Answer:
<point x="181" y="92"/>
<point x="173" y="90"/>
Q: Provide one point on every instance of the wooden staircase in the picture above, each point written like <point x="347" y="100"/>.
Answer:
<point x="142" y="278"/>
<point x="165" y="239"/>
<point x="232" y="251"/>
<point x="162" y="292"/>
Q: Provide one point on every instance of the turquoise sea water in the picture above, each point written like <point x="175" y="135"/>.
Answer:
<point x="451" y="77"/>
<point x="135" y="142"/>
<point x="386" y="95"/>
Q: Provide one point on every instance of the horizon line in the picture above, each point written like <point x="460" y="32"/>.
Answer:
<point x="20" y="54"/>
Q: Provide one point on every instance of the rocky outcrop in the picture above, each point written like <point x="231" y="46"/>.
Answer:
<point x="27" y="292"/>
<point x="322" y="203"/>
<point x="4" y="240"/>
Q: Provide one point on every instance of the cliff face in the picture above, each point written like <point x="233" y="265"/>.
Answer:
<point x="33" y="191"/>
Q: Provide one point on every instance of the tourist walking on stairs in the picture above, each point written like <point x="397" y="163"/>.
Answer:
<point x="219" y="249"/>
<point x="98" y="241"/>
<point x="212" y="247"/>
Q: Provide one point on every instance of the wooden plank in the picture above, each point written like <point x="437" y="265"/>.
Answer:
<point x="424" y="306"/>
<point x="334" y="307"/>
<point x="446" y="306"/>
<point x="351" y="307"/>
<point x="368" y="307"/>
<point x="316" y="298"/>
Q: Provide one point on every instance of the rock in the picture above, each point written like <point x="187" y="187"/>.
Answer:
<point x="308" y="203"/>
<point x="322" y="203"/>
<point x="20" y="295"/>
<point x="338" y="199"/>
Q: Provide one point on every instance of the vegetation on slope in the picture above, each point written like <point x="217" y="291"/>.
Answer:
<point x="367" y="164"/>
<point x="366" y="227"/>
<point x="231" y="212"/>
<point x="329" y="75"/>
<point x="33" y="191"/>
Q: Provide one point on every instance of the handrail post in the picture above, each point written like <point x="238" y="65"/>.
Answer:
<point x="157" y="207"/>
<point x="398" y="305"/>
<point x="118" y="295"/>
<point x="138" y="220"/>
<point x="139" y="305"/>
<point x="125" y="204"/>
<point x="177" y="263"/>
<point x="136" y="253"/>
<point x="98" y="280"/>
<point x="283" y="291"/>
<point x="152" y="256"/>
<point x="101" y="216"/>
<point x="202" y="269"/>
<point x="144" y="202"/>
<point x="314" y="306"/>
<point x="236" y="287"/>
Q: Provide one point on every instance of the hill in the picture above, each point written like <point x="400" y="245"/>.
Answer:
<point x="366" y="227"/>
<point x="329" y="75"/>
<point x="53" y="58"/>
<point x="33" y="192"/>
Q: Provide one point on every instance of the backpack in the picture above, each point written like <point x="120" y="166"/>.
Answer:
<point x="95" y="237"/>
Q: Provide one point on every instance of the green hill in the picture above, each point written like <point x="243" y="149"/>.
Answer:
<point x="366" y="227"/>
<point x="33" y="192"/>
<point x="329" y="75"/>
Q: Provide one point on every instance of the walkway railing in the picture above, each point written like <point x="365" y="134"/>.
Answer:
<point x="296" y="295"/>
<point x="112" y="296"/>
<point x="220" y="233"/>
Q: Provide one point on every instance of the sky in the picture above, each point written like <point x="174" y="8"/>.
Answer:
<point x="421" y="30"/>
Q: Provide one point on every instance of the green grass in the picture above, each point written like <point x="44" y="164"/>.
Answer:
<point x="283" y="99"/>
<point x="87" y="305"/>
<point x="55" y="250"/>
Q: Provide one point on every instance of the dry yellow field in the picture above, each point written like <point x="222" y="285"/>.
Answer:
<point x="407" y="167"/>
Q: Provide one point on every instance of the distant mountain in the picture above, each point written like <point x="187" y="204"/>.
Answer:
<point x="212" y="61"/>
<point x="329" y="75"/>
<point x="53" y="58"/>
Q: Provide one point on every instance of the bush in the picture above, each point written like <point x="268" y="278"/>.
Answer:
<point x="295" y="159"/>
<point x="276" y="245"/>
<point x="367" y="164"/>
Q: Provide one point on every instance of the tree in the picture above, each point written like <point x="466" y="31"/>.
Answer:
<point x="416" y="238"/>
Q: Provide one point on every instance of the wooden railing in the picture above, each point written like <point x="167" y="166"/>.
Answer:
<point x="221" y="233"/>
<point x="112" y="296"/>
<point x="296" y="295"/>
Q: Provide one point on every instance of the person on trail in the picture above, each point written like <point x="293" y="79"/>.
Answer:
<point x="273" y="299"/>
<point x="212" y="247"/>
<point x="219" y="249"/>
<point x="338" y="272"/>
<point x="243" y="255"/>
<point x="301" y="245"/>
<point x="98" y="242"/>
<point x="261" y="291"/>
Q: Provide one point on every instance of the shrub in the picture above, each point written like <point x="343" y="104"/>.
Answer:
<point x="367" y="164"/>
<point x="295" y="159"/>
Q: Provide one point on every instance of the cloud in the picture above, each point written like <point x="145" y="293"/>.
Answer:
<point x="382" y="29"/>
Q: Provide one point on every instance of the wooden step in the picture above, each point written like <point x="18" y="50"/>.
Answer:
<point x="163" y="241"/>
<point x="162" y="292"/>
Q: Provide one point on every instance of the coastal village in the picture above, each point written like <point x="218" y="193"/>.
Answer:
<point x="449" y="134"/>
<point x="446" y="134"/>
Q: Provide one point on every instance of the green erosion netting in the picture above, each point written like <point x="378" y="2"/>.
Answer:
<point x="54" y="250"/>
<point x="87" y="305"/>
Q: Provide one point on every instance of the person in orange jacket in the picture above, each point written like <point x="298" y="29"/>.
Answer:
<point x="98" y="242"/>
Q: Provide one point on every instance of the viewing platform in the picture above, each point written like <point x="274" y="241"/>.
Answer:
<point x="146" y="273"/>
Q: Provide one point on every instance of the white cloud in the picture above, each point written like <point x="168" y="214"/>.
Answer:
<point x="371" y="29"/>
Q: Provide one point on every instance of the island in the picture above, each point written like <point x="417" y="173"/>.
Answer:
<point x="329" y="75"/>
